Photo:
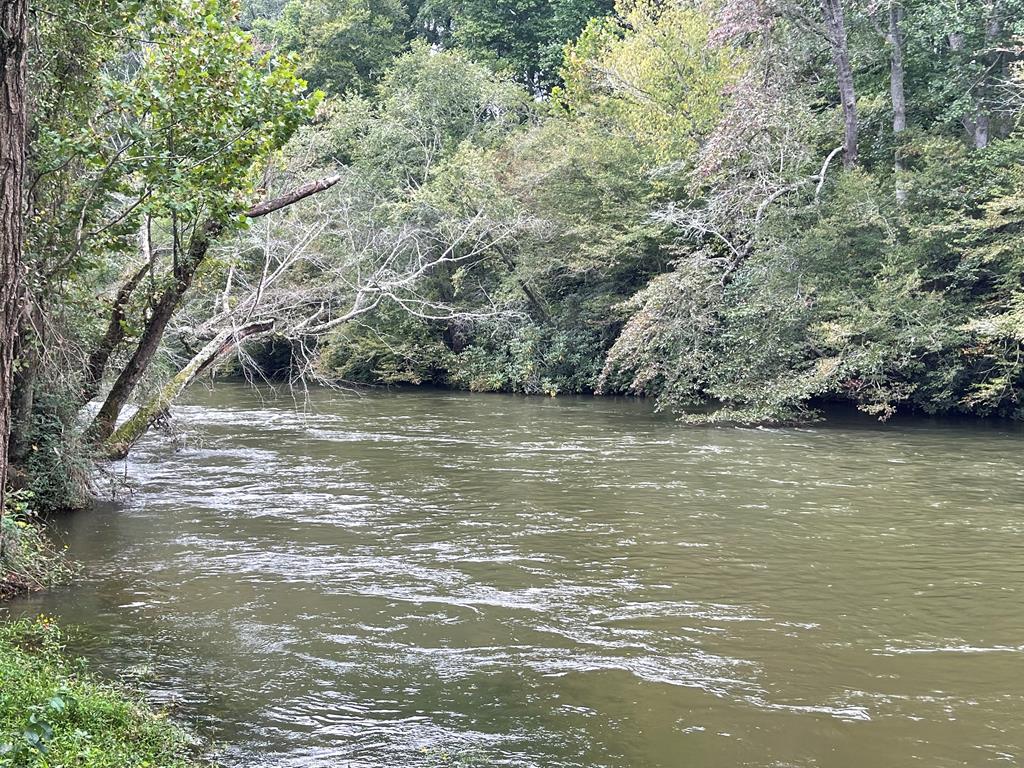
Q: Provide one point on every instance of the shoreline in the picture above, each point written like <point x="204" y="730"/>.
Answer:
<point x="54" y="712"/>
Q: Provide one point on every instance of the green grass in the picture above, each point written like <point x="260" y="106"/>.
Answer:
<point x="53" y="715"/>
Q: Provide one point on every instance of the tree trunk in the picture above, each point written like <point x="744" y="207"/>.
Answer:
<point x="97" y="364"/>
<point x="981" y="130"/>
<point x="835" y="24"/>
<point x="28" y="353"/>
<point x="13" y="108"/>
<point x="124" y="437"/>
<point x="979" y="124"/>
<point x="163" y="310"/>
<point x="899" y="100"/>
<point x="993" y="58"/>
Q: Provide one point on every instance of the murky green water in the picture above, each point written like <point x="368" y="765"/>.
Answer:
<point x="565" y="583"/>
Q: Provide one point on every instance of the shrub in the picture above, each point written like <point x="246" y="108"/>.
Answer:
<point x="29" y="561"/>
<point x="58" y="468"/>
<point x="531" y="360"/>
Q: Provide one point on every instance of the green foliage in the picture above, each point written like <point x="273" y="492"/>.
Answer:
<point x="850" y="298"/>
<point x="201" y="112"/>
<point x="526" y="37"/>
<point x="57" y="468"/>
<point x="173" y="129"/>
<point x="575" y="191"/>
<point x="667" y="344"/>
<point x="343" y="45"/>
<point x="394" y="349"/>
<point x="531" y="360"/>
<point x="650" y="73"/>
<point x="989" y="278"/>
<point x="29" y="561"/>
<point x="65" y="88"/>
<point x="949" y="83"/>
<point x="51" y="714"/>
<point x="428" y="105"/>
<point x="256" y="11"/>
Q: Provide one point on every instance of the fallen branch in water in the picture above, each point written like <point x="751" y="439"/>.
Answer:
<point x="125" y="436"/>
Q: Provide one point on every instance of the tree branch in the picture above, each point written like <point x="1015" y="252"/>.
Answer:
<point x="299" y="193"/>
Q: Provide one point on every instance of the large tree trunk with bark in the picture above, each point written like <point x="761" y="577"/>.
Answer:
<point x="835" y="26"/>
<point x="13" y="108"/>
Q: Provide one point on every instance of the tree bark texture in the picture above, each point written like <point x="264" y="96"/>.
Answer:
<point x="897" y="80"/>
<point x="13" y="108"/>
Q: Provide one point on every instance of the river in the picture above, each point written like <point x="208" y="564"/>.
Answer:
<point x="354" y="579"/>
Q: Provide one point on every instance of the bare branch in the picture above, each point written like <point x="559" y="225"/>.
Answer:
<point x="299" y="193"/>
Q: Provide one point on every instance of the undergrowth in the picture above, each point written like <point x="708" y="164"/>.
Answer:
<point x="29" y="560"/>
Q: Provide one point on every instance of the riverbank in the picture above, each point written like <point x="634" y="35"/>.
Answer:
<point x="53" y="714"/>
<point x="29" y="561"/>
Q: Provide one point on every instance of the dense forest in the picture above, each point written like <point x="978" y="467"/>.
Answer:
<point x="738" y="209"/>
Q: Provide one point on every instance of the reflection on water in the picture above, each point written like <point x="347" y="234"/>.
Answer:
<point x="569" y="582"/>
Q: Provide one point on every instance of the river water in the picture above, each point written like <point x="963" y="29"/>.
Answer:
<point x="562" y="582"/>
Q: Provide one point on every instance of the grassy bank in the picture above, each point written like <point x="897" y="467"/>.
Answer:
<point x="52" y="714"/>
